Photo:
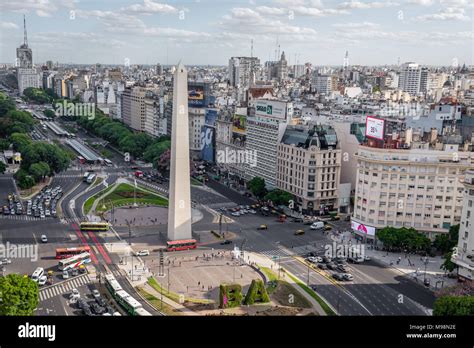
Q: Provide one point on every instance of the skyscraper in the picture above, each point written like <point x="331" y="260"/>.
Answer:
<point x="24" y="54"/>
<point x="179" y="209"/>
<point x="27" y="76"/>
<point x="413" y="78"/>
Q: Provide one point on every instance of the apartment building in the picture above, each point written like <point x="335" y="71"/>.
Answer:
<point x="133" y="108"/>
<point x="309" y="167"/>
<point x="464" y="254"/>
<point x="412" y="186"/>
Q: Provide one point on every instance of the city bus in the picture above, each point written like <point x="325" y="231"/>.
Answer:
<point x="90" y="179"/>
<point x="108" y="163"/>
<point x="94" y="226"/>
<point x="64" y="253"/>
<point x="183" y="244"/>
<point x="81" y="159"/>
<point x="75" y="261"/>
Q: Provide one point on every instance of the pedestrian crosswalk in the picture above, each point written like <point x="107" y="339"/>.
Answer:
<point x="216" y="216"/>
<point x="283" y="252"/>
<point x="153" y="186"/>
<point x="23" y="217"/>
<point x="64" y="287"/>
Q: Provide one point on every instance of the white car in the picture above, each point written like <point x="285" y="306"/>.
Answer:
<point x="65" y="275"/>
<point x="95" y="293"/>
<point x="5" y="261"/>
<point x="74" y="294"/>
<point x="347" y="276"/>
<point x="315" y="259"/>
<point x="44" y="239"/>
<point x="235" y="214"/>
<point x="367" y="258"/>
<point x="143" y="253"/>
<point x="42" y="280"/>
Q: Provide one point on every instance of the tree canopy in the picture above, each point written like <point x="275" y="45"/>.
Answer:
<point x="454" y="305"/>
<point x="278" y="197"/>
<point x="399" y="239"/>
<point x="19" y="295"/>
<point x="257" y="186"/>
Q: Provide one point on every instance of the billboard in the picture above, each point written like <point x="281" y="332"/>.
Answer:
<point x="362" y="229"/>
<point x="271" y="108"/>
<point x="210" y="117"/>
<point x="374" y="128"/>
<point x="198" y="94"/>
<point x="207" y="143"/>
<point x="239" y="124"/>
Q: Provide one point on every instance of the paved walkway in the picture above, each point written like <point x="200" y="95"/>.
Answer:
<point x="266" y="262"/>
<point x="410" y="265"/>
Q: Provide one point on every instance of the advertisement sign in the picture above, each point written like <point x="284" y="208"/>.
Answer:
<point x="374" y="128"/>
<point x="207" y="143"/>
<point x="198" y="93"/>
<point x="239" y="124"/>
<point x="363" y="229"/>
<point x="211" y="117"/>
<point x="271" y="108"/>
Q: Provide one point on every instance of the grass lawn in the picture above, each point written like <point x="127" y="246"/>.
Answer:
<point x="173" y="296"/>
<point x="156" y="302"/>
<point x="310" y="291"/>
<point x="90" y="201"/>
<point x="123" y="194"/>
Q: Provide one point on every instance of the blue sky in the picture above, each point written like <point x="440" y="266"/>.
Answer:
<point x="432" y="32"/>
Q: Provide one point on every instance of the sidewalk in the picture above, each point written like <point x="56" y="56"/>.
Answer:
<point x="413" y="266"/>
<point x="266" y="262"/>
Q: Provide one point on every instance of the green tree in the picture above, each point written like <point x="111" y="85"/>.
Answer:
<point x="257" y="187"/>
<point x="154" y="151"/>
<point x="454" y="305"/>
<point x="39" y="170"/>
<point x="4" y="144"/>
<point x="20" y="141"/>
<point x="49" y="113"/>
<point x="448" y="265"/>
<point x="3" y="167"/>
<point x="19" y="295"/>
<point x="36" y="95"/>
<point x="278" y="197"/>
<point x="24" y="180"/>
<point x="6" y="104"/>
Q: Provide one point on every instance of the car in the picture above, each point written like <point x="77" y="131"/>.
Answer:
<point x="28" y="212"/>
<point x="82" y="269"/>
<point x="82" y="304"/>
<point x="74" y="293"/>
<point x="143" y="253"/>
<point x="251" y="211"/>
<point x="95" y="293"/>
<point x="97" y="309"/>
<point x="42" y="280"/>
<point x="74" y="272"/>
<point x="44" y="239"/>
<point x="235" y="214"/>
<point x="322" y="266"/>
<point x="347" y="276"/>
<point x="65" y="274"/>
<point x="338" y="276"/>
<point x="5" y="261"/>
<point x="341" y="268"/>
<point x="42" y="215"/>
<point x="317" y="225"/>
<point x="314" y="259"/>
<point x="225" y="242"/>
<point x="297" y="220"/>
<point x="367" y="258"/>
<point x="331" y="265"/>
<point x="327" y="259"/>
<point x="101" y="302"/>
<point x="12" y="212"/>
<point x="47" y="212"/>
<point x="299" y="232"/>
<point x="6" y="211"/>
<point x="327" y="228"/>
<point x="262" y="227"/>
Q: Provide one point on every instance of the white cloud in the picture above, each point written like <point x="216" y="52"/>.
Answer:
<point x="43" y="8"/>
<point x="8" y="25"/>
<point x="420" y="2"/>
<point x="446" y="14"/>
<point x="367" y="5"/>
<point x="316" y="12"/>
<point x="350" y="25"/>
<point x="272" y="11"/>
<point x="149" y="7"/>
<point x="457" y="3"/>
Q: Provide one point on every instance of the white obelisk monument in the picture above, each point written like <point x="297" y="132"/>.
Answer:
<point x="179" y="210"/>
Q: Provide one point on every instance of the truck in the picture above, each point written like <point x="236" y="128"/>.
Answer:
<point x="138" y="174"/>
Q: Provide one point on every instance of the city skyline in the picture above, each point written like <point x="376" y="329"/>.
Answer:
<point x="429" y="32"/>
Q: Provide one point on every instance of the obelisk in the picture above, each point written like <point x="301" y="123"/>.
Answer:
<point x="179" y="210"/>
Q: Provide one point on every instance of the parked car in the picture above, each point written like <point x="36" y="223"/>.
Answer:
<point x="331" y="265"/>
<point x="342" y="268"/>
<point x="42" y="280"/>
<point x="322" y="266"/>
<point x="5" y="261"/>
<point x="348" y="276"/>
<point x="44" y="239"/>
<point x="95" y="293"/>
<point x="338" y="276"/>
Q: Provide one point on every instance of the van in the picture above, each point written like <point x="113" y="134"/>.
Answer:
<point x="317" y="225"/>
<point x="37" y="274"/>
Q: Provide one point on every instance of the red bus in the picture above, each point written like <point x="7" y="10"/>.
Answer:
<point x="183" y="244"/>
<point x="64" y="253"/>
<point x="81" y="159"/>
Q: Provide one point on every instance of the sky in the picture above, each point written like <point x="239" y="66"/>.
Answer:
<point x="201" y="32"/>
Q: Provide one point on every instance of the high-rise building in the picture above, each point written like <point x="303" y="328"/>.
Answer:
<point x="133" y="108"/>
<point x="265" y="128"/>
<point x="27" y="75"/>
<point x="28" y="78"/>
<point x="242" y="71"/>
<point x="413" y="78"/>
<point x="159" y="69"/>
<point x="309" y="167"/>
<point x="463" y="257"/>
<point x="324" y="84"/>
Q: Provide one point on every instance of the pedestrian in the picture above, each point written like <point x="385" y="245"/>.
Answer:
<point x="199" y="283"/>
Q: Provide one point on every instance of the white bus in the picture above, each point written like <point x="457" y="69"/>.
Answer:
<point x="108" y="163"/>
<point x="73" y="262"/>
<point x="91" y="178"/>
<point x="85" y="176"/>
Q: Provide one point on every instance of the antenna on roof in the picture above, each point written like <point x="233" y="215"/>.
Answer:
<point x="251" y="48"/>
<point x="25" y="38"/>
